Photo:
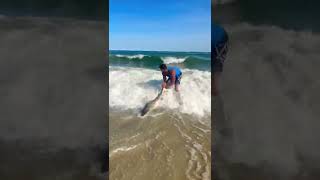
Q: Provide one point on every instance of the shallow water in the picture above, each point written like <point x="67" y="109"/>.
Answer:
<point x="161" y="145"/>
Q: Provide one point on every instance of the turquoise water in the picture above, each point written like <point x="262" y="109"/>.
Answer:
<point x="152" y="59"/>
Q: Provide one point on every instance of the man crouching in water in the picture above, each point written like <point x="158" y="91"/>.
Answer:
<point x="174" y="76"/>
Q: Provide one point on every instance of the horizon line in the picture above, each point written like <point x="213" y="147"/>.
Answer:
<point x="159" y="50"/>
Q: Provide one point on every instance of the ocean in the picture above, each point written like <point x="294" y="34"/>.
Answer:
<point x="268" y="118"/>
<point x="173" y="141"/>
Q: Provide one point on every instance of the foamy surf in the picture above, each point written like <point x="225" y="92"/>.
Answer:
<point x="173" y="60"/>
<point x="132" y="88"/>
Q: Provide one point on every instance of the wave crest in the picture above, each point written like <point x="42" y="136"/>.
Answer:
<point x="137" y="56"/>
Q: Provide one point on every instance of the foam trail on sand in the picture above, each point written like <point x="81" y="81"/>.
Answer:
<point x="122" y="149"/>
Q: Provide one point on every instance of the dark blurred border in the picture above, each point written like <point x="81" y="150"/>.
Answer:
<point x="17" y="18"/>
<point x="106" y="165"/>
<point x="80" y="9"/>
<point x="287" y="14"/>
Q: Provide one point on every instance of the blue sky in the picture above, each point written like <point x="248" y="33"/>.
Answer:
<point x="167" y="25"/>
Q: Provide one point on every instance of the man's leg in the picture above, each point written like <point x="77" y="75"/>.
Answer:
<point x="177" y="84"/>
<point x="177" y="87"/>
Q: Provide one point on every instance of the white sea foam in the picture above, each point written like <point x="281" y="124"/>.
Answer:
<point x="137" y="56"/>
<point x="171" y="59"/>
<point x="122" y="149"/>
<point x="132" y="88"/>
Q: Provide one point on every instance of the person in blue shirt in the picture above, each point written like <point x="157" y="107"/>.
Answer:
<point x="219" y="40"/>
<point x="174" y="76"/>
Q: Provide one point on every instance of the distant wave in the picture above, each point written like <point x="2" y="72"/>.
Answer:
<point x="153" y="61"/>
<point x="138" y="56"/>
<point x="165" y="59"/>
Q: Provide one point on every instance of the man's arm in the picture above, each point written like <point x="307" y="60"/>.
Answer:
<point x="164" y="78"/>
<point x="163" y="85"/>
